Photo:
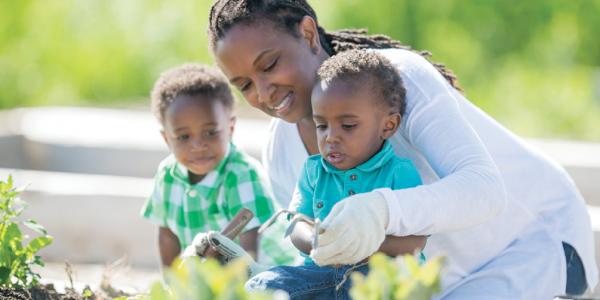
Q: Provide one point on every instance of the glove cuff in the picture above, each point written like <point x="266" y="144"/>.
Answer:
<point x="393" y="210"/>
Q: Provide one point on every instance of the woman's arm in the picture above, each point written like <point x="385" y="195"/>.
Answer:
<point x="470" y="190"/>
<point x="399" y="245"/>
<point x="168" y="245"/>
<point x="249" y="241"/>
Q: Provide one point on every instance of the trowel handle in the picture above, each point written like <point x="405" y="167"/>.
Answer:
<point x="233" y="228"/>
<point x="237" y="224"/>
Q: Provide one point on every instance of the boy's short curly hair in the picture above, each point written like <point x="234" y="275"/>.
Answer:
<point x="192" y="80"/>
<point x="362" y="67"/>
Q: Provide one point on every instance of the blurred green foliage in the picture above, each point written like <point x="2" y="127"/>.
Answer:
<point x="401" y="278"/>
<point x="533" y="65"/>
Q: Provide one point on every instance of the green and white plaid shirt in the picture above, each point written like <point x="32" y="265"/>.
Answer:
<point x="238" y="181"/>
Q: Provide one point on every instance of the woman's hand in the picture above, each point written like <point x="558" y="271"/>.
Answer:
<point x="354" y="229"/>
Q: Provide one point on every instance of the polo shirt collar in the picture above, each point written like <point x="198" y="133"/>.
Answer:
<point x="375" y="162"/>
<point x="212" y="178"/>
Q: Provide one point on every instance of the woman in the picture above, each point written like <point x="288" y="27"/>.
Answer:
<point x="505" y="216"/>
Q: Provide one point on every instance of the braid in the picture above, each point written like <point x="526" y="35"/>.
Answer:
<point x="349" y="39"/>
<point x="286" y="14"/>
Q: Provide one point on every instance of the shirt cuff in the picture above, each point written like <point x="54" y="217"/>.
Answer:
<point x="394" y="212"/>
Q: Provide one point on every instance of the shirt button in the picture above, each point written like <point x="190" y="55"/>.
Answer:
<point x="320" y="204"/>
<point x="353" y="177"/>
<point x="192" y="193"/>
<point x="351" y="192"/>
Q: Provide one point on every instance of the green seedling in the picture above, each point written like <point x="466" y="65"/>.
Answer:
<point x="17" y="259"/>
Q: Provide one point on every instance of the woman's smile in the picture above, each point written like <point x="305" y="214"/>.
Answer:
<point x="284" y="105"/>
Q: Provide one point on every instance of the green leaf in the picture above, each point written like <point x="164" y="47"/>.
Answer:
<point x="4" y="275"/>
<point x="159" y="292"/>
<point x="87" y="293"/>
<point x="38" y="243"/>
<point x="13" y="233"/>
<point x="35" y="226"/>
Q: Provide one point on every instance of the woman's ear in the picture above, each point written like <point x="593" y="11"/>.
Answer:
<point x="308" y="30"/>
<point x="391" y="123"/>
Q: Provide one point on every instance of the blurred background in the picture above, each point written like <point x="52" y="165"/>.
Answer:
<point x="75" y="78"/>
<point x="533" y="65"/>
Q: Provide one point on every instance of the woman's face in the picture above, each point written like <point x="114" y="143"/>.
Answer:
<point x="273" y="69"/>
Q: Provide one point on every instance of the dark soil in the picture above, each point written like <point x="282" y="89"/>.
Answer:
<point x="47" y="292"/>
<point x="42" y="292"/>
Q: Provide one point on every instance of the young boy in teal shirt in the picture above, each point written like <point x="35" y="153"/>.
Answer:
<point x="357" y="105"/>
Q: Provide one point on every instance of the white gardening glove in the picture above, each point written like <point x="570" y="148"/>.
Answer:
<point x="198" y="245"/>
<point x="353" y="230"/>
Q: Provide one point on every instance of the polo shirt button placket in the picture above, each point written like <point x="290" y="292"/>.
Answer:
<point x="192" y="193"/>
<point x="353" y="177"/>
<point x="351" y="192"/>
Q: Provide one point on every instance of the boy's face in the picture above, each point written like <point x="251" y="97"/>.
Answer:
<point x="351" y="123"/>
<point x="198" y="131"/>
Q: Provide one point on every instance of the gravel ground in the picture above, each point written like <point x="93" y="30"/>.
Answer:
<point x="130" y="280"/>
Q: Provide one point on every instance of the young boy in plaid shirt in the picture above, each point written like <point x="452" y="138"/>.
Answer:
<point x="206" y="180"/>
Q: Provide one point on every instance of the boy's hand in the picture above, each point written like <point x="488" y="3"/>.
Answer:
<point x="353" y="230"/>
<point x="198" y="246"/>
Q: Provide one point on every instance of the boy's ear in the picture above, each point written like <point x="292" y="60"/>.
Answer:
<point x="390" y="125"/>
<point x="164" y="136"/>
<point x="232" y="126"/>
<point x="308" y="31"/>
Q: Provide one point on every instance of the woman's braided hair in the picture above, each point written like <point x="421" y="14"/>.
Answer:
<point x="224" y="14"/>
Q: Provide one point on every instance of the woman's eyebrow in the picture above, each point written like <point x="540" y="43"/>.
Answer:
<point x="260" y="55"/>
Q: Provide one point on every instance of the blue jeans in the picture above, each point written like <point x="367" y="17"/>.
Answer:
<point x="576" y="283"/>
<point x="307" y="281"/>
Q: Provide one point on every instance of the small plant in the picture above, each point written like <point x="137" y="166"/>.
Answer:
<point x="401" y="278"/>
<point x="17" y="259"/>
<point x="192" y="279"/>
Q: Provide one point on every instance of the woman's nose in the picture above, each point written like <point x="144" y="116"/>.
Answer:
<point x="264" y="91"/>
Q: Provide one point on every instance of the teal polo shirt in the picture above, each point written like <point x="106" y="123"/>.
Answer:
<point x="321" y="185"/>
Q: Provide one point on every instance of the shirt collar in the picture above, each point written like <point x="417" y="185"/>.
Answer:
<point x="212" y="178"/>
<point x="375" y="162"/>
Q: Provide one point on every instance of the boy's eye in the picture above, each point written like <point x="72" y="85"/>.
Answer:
<point x="212" y="133"/>
<point x="321" y="126"/>
<point x="183" y="137"/>
<point x="348" y="126"/>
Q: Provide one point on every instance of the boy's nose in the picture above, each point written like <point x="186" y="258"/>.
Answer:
<point x="332" y="137"/>
<point x="199" y="144"/>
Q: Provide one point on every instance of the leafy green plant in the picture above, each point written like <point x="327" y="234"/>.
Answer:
<point x="192" y="279"/>
<point x="401" y="278"/>
<point x="16" y="259"/>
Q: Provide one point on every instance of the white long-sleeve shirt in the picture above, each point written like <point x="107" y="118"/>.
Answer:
<point x="483" y="185"/>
